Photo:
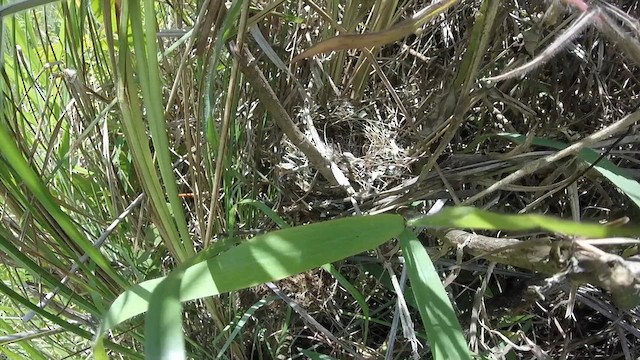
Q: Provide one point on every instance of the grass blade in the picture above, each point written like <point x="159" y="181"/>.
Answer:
<point x="33" y="181"/>
<point x="344" y="282"/>
<point x="163" y="326"/>
<point x="439" y="319"/>
<point x="471" y="218"/>
<point x="267" y="257"/>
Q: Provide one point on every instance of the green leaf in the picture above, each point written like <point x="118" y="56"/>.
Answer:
<point x="18" y="6"/>
<point x="267" y="257"/>
<point x="472" y="218"/>
<point x="439" y="319"/>
<point x="260" y="206"/>
<point x="163" y="325"/>
<point x="608" y="169"/>
<point x="23" y="172"/>
<point x="99" y="352"/>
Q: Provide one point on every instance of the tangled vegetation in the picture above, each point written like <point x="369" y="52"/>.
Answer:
<point x="300" y="179"/>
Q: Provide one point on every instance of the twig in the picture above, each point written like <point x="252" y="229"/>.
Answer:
<point x="584" y="264"/>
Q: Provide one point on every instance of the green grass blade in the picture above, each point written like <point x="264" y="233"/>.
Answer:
<point x="243" y="321"/>
<point x="481" y="36"/>
<point x="144" y="40"/>
<point x="38" y="272"/>
<point x="378" y="272"/>
<point x="18" y="6"/>
<point x="355" y="293"/>
<point x="606" y="167"/>
<point x="26" y="346"/>
<point x="315" y="356"/>
<point x="28" y="176"/>
<point x="212" y="73"/>
<point x="267" y="257"/>
<point x="10" y="354"/>
<point x="6" y="290"/>
<point x="99" y="352"/>
<point x="472" y="218"/>
<point x="163" y="326"/>
<point x="439" y="319"/>
<point x="137" y="138"/>
<point x="51" y="317"/>
<point x="264" y="208"/>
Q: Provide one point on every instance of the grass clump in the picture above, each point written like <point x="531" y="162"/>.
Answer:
<point x="268" y="180"/>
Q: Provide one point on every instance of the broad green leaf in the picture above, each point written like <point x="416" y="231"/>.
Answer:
<point x="439" y="319"/>
<point x="608" y="169"/>
<point x="267" y="257"/>
<point x="472" y="218"/>
<point x="99" y="352"/>
<point x="163" y="326"/>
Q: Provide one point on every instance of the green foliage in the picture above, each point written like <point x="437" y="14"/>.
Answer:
<point x="287" y="252"/>
<point x="128" y="152"/>
<point x="268" y="257"/>
<point x="619" y="177"/>
<point x="440" y="322"/>
<point x="472" y="218"/>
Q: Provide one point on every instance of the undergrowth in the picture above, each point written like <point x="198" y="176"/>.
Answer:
<point x="147" y="140"/>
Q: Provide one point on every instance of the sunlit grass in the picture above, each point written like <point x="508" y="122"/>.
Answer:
<point x="136" y="153"/>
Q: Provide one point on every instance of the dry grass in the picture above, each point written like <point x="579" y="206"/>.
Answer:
<point x="382" y="147"/>
<point x="405" y="125"/>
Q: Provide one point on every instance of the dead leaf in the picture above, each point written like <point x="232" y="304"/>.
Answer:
<point x="380" y="38"/>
